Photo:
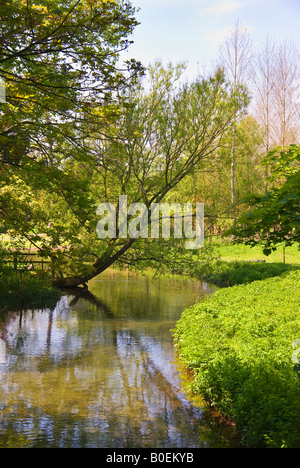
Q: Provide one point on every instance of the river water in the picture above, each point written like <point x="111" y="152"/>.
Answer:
<point x="100" y="371"/>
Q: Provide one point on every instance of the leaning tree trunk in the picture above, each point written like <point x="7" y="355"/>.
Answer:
<point x="99" y="266"/>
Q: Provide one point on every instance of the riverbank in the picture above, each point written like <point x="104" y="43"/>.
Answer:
<point x="239" y="344"/>
<point x="231" y="273"/>
<point x="30" y="289"/>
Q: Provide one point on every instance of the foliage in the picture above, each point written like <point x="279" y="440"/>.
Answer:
<point x="167" y="256"/>
<point x="31" y="290"/>
<point x="239" y="344"/>
<point x="275" y="217"/>
<point x="59" y="63"/>
<point x="154" y="139"/>
<point x="210" y="182"/>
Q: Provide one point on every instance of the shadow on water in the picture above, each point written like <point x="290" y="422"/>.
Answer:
<point x="99" y="370"/>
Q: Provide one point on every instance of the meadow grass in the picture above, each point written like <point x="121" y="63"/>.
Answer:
<point x="240" y="252"/>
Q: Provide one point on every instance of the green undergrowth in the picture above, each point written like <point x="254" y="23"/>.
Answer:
<point x="239" y="343"/>
<point x="26" y="289"/>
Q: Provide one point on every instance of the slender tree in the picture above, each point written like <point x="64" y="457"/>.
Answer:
<point x="264" y="86"/>
<point x="235" y="56"/>
<point x="286" y="91"/>
<point x="159" y="137"/>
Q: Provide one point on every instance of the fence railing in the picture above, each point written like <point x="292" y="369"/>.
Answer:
<point x="26" y="260"/>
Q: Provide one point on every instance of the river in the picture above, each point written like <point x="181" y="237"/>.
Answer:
<point x="100" y="371"/>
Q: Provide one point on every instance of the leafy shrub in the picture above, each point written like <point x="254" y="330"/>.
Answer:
<point x="239" y="344"/>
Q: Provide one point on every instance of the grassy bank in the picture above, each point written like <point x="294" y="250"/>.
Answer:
<point x="29" y="289"/>
<point x="241" y="264"/>
<point x="239" y="252"/>
<point x="224" y="274"/>
<point x="239" y="344"/>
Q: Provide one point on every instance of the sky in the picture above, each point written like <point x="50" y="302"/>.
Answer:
<point x="191" y="31"/>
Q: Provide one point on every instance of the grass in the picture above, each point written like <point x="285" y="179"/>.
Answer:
<point x="224" y="274"/>
<point x="241" y="264"/>
<point x="240" y="252"/>
<point x="239" y="344"/>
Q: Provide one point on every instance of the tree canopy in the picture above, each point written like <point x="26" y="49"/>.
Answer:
<point x="59" y="61"/>
<point x="153" y="138"/>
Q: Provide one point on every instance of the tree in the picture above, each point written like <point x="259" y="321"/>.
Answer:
<point x="59" y="61"/>
<point x="235" y="57"/>
<point x="275" y="217"/>
<point x="264" y="84"/>
<point x="208" y="183"/>
<point x="275" y="80"/>
<point x="153" y="141"/>
<point x="286" y="90"/>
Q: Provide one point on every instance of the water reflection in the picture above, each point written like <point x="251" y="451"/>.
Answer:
<point x="99" y="371"/>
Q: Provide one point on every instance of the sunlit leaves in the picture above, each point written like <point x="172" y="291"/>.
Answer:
<point x="59" y="61"/>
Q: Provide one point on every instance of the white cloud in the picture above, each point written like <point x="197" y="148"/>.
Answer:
<point x="217" y="36"/>
<point x="223" y="6"/>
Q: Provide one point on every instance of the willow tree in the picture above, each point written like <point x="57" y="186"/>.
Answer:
<point x="155" y="137"/>
<point x="76" y="132"/>
<point x="59" y="64"/>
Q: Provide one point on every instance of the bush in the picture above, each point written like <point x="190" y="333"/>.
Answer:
<point x="239" y="344"/>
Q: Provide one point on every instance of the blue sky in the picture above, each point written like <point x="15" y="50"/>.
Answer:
<point x="191" y="30"/>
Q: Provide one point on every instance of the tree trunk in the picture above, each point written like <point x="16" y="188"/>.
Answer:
<point x="233" y="199"/>
<point x="71" y="282"/>
<point x="99" y="266"/>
